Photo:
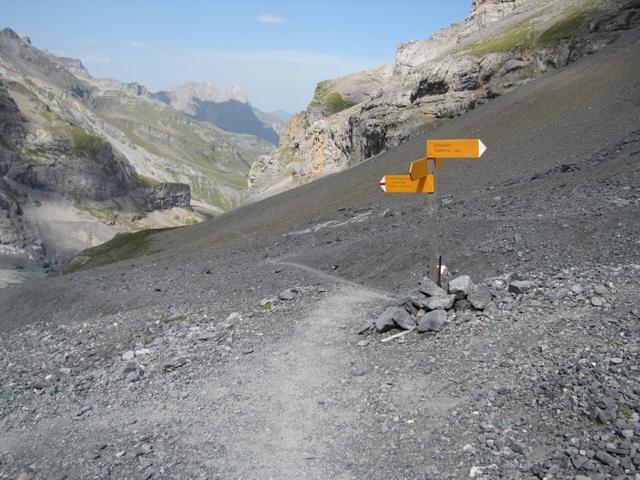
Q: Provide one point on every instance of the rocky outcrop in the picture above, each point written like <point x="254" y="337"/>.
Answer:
<point x="484" y="12"/>
<point x="168" y="195"/>
<point x="74" y="163"/>
<point x="271" y="170"/>
<point x="499" y="47"/>
<point x="96" y="175"/>
<point x="334" y="96"/>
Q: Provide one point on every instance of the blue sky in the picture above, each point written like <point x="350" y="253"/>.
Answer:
<point x="276" y="50"/>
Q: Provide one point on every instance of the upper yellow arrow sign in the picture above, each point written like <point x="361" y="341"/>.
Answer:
<point x="459" y="148"/>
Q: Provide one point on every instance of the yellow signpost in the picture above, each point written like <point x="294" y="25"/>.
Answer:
<point x="455" y="148"/>
<point x="419" y="169"/>
<point x="404" y="184"/>
<point x="421" y="179"/>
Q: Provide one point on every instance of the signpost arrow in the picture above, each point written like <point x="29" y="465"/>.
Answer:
<point x="419" y="169"/>
<point x="404" y="184"/>
<point x="466" y="148"/>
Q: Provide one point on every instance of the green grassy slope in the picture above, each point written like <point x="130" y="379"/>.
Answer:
<point x="222" y="159"/>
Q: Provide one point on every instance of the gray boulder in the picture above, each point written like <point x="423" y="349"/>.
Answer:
<point x="429" y="287"/>
<point x="410" y="308"/>
<point x="521" y="286"/>
<point x="479" y="297"/>
<point x="461" y="305"/>
<point x="404" y="320"/>
<point x="385" y="321"/>
<point x="132" y="372"/>
<point x="418" y="298"/>
<point x="600" y="290"/>
<point x="392" y="317"/>
<point x="398" y="301"/>
<point x="461" y="286"/>
<point x="440" y="303"/>
<point x="432" y="321"/>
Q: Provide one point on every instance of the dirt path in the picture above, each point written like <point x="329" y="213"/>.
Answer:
<point x="288" y="413"/>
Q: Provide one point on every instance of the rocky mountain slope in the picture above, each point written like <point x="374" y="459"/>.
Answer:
<point x="500" y="47"/>
<point x="225" y="106"/>
<point x="231" y="348"/>
<point x="82" y="159"/>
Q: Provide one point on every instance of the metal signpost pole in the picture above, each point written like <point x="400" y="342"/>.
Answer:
<point x="432" y="215"/>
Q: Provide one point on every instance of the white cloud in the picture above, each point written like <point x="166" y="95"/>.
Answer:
<point x="140" y="45"/>
<point x="95" y="59"/>
<point x="271" y="19"/>
<point x="151" y="48"/>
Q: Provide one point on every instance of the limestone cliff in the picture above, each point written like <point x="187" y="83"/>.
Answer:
<point x="502" y="45"/>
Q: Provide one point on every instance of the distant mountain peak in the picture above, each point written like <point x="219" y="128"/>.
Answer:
<point x="226" y="106"/>
<point x="208" y="92"/>
<point x="10" y="34"/>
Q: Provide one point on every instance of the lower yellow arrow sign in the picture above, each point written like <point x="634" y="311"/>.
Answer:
<point x="404" y="184"/>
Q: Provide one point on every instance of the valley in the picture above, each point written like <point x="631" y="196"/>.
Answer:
<point x="99" y="153"/>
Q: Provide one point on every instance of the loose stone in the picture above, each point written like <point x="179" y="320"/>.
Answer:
<point x="432" y="321"/>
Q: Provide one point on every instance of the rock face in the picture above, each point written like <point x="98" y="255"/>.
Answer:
<point x="488" y="11"/>
<point x="169" y="195"/>
<point x="333" y="96"/>
<point x="502" y="45"/>
<point x="81" y="165"/>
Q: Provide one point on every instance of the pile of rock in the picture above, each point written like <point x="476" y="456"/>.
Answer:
<point x="430" y="306"/>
